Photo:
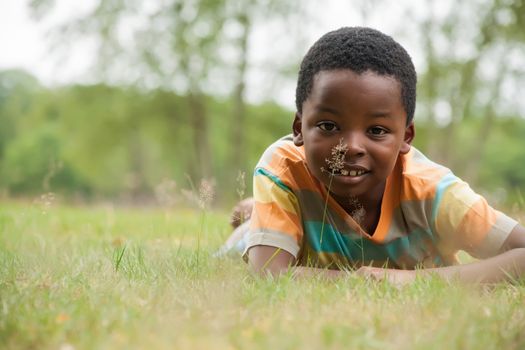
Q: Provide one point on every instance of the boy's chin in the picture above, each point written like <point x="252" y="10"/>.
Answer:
<point x="342" y="194"/>
<point x="346" y="186"/>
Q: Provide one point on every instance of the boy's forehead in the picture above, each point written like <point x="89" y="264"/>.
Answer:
<point x="335" y="85"/>
<point x="366" y="80"/>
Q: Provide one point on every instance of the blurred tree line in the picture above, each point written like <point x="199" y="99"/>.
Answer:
<point x="180" y="112"/>
<point x="110" y="141"/>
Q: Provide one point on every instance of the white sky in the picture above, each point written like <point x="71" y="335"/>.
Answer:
<point x="18" y="36"/>
<point x="24" y="44"/>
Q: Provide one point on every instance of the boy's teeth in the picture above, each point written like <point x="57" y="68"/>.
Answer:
<point x="354" y="172"/>
<point x="346" y="172"/>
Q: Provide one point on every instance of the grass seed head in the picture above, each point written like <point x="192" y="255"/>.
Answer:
<point x="45" y="201"/>
<point x="336" y="162"/>
<point x="242" y="184"/>
<point x="206" y="193"/>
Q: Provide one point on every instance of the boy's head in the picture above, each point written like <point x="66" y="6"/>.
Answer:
<point x="359" y="49"/>
<point x="355" y="104"/>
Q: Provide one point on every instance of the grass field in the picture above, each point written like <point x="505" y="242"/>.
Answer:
<point x="104" y="278"/>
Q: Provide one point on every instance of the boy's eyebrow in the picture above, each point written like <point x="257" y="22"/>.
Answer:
<point x="327" y="110"/>
<point x="381" y="114"/>
<point x="375" y="114"/>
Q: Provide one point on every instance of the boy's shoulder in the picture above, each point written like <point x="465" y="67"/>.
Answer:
<point x="415" y="163"/>
<point x="282" y="155"/>
<point x="421" y="177"/>
<point x="285" y="163"/>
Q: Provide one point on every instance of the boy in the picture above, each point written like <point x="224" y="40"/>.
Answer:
<point x="347" y="190"/>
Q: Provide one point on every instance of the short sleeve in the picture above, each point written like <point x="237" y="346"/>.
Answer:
<point x="463" y="220"/>
<point x="275" y="219"/>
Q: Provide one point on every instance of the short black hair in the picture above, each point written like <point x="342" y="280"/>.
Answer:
<point x="359" y="49"/>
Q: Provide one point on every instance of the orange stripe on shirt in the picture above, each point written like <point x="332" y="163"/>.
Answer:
<point x="272" y="217"/>
<point x="420" y="177"/>
<point x="475" y="225"/>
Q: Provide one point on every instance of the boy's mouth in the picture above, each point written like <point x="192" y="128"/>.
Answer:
<point x="355" y="172"/>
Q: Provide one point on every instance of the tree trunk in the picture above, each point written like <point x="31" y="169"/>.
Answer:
<point x="135" y="178"/>
<point x="201" y="144"/>
<point x="238" y="153"/>
<point x="431" y="86"/>
<point x="476" y="154"/>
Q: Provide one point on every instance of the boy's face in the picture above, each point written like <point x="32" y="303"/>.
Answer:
<point x="364" y="112"/>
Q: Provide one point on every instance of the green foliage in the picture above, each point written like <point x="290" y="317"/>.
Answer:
<point x="104" y="140"/>
<point x="31" y="161"/>
<point x="503" y="165"/>
<point x="17" y="93"/>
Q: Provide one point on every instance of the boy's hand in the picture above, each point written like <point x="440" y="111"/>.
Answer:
<point x="396" y="277"/>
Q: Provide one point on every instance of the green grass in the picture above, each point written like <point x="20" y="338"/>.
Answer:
<point x="103" y="278"/>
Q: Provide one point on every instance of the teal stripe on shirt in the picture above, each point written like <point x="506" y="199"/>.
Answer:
<point x="441" y="187"/>
<point x="355" y="249"/>
<point x="275" y="179"/>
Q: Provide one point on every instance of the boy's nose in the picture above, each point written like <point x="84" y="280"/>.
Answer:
<point x="355" y="145"/>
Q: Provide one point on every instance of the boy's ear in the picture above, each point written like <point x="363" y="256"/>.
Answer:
<point x="296" y="127"/>
<point x="410" y="132"/>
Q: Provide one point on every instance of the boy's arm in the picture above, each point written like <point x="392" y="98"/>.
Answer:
<point x="265" y="260"/>
<point x="507" y="266"/>
<point x="516" y="239"/>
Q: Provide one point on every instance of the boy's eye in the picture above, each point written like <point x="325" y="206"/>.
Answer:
<point x="376" y="130"/>
<point x="327" y="126"/>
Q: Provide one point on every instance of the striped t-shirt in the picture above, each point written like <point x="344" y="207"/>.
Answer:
<point x="427" y="215"/>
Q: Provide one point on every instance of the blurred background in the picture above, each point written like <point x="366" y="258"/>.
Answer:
<point x="136" y="102"/>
